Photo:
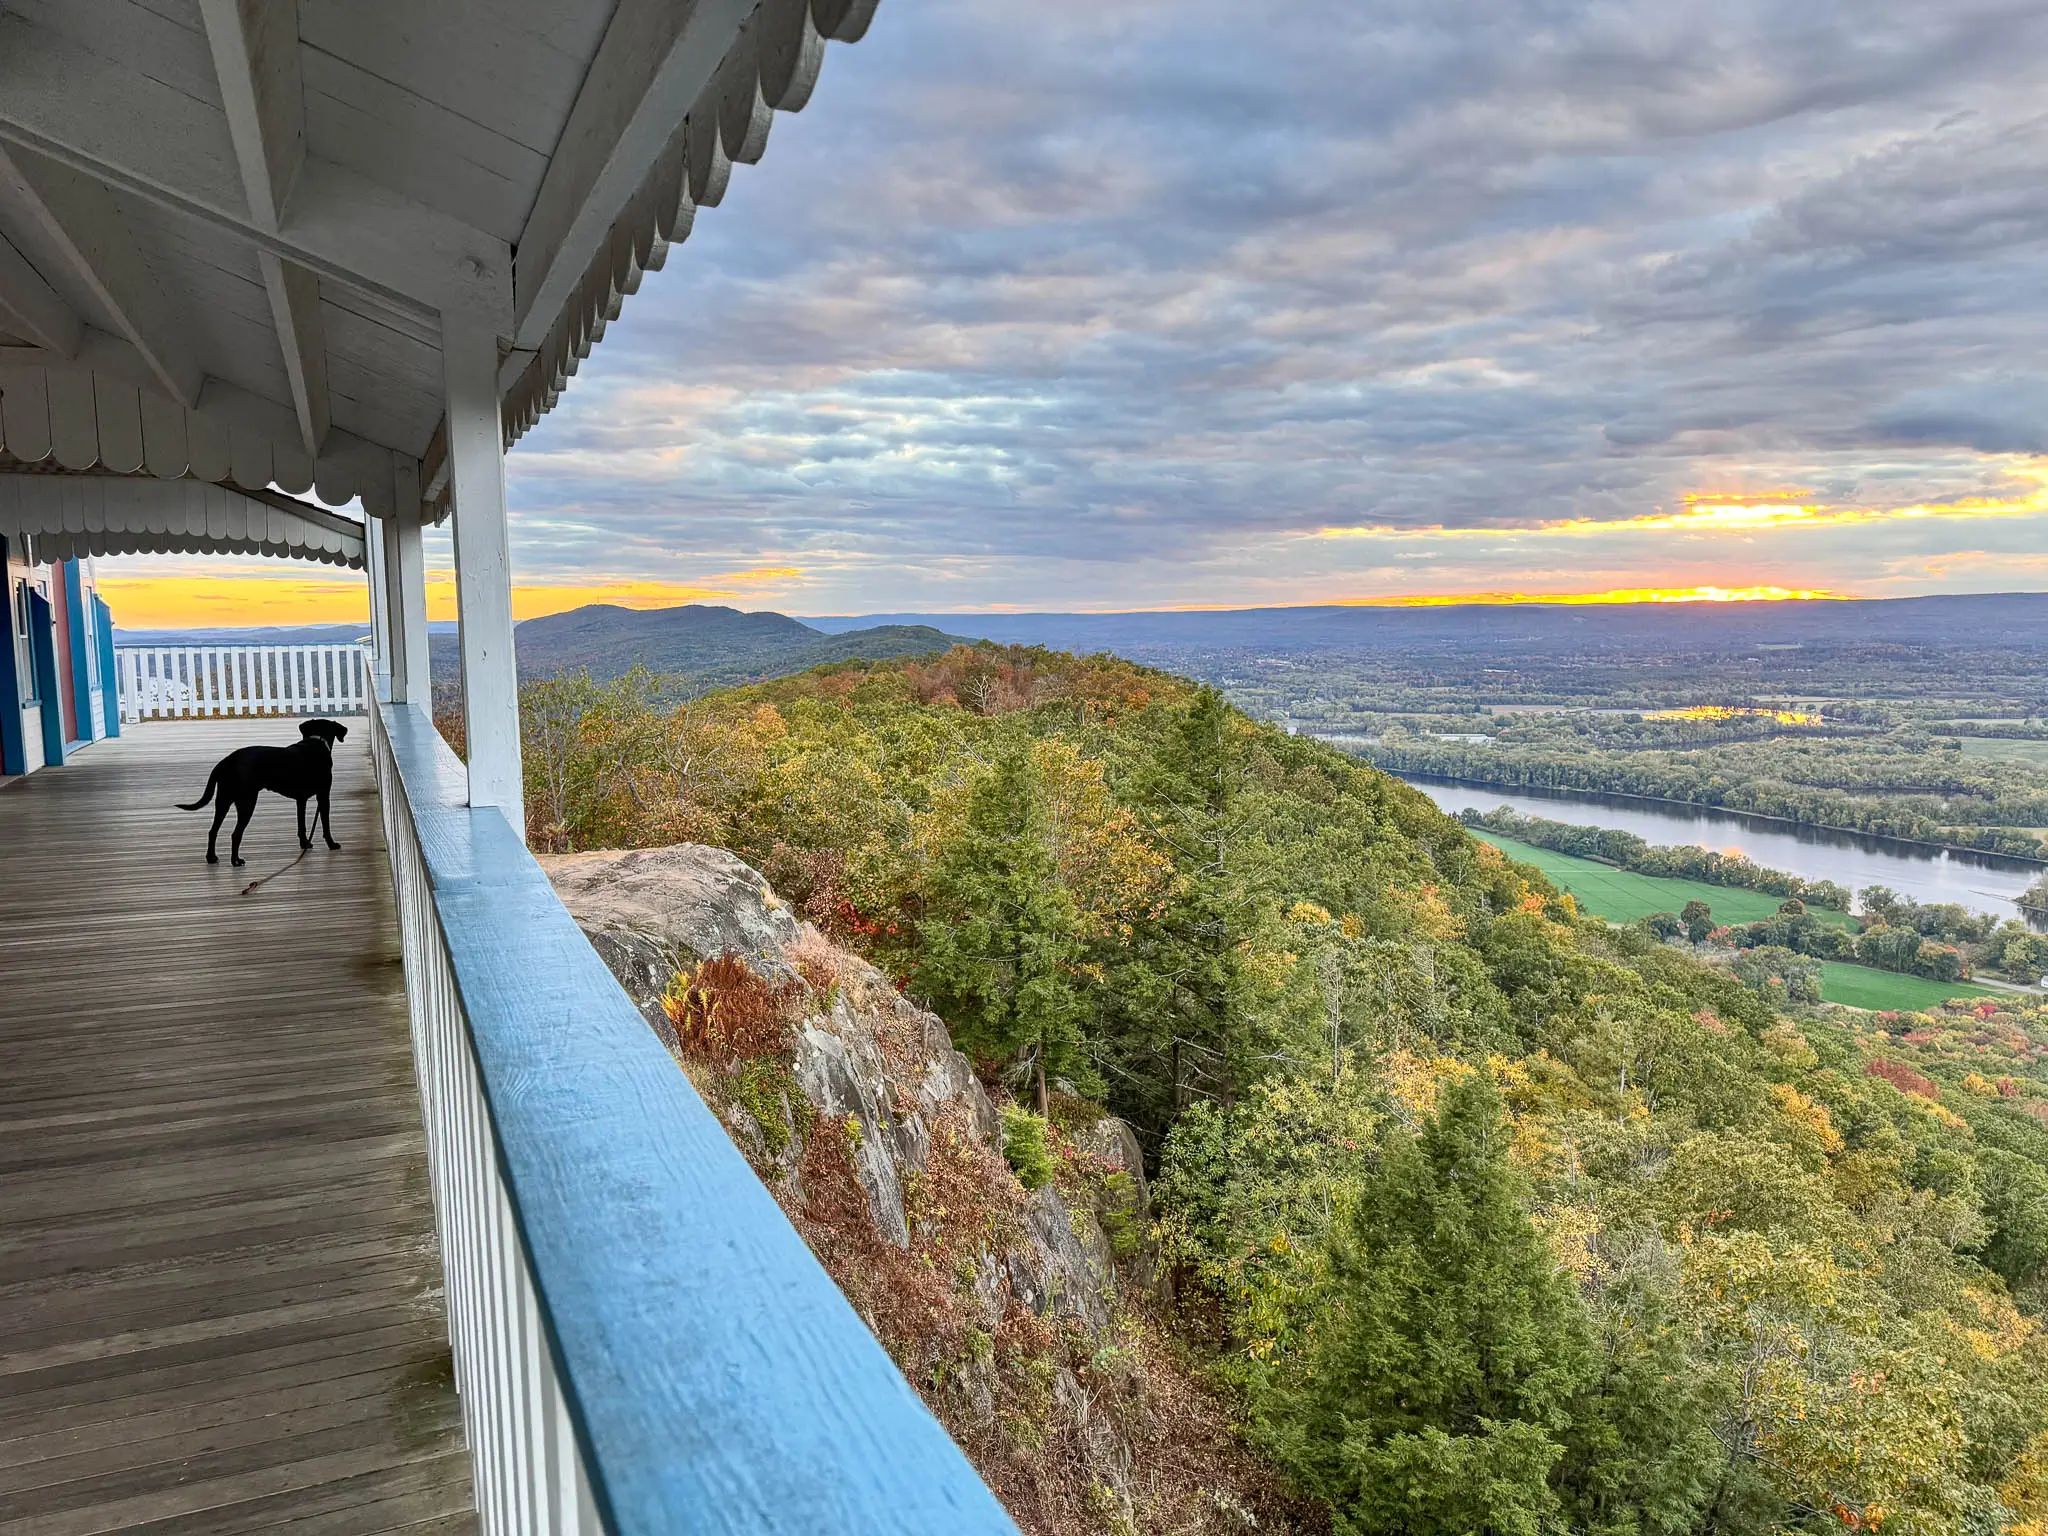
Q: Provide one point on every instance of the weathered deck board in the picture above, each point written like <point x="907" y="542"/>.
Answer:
<point x="219" y="1296"/>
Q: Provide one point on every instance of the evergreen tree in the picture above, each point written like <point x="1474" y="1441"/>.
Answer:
<point x="1172" y="1030"/>
<point x="1438" y="1398"/>
<point x="1000" y="935"/>
<point x="1640" y="1455"/>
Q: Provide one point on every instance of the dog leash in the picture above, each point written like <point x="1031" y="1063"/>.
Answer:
<point x="251" y="886"/>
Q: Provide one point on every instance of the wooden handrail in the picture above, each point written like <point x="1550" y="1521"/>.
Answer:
<point x="642" y="1341"/>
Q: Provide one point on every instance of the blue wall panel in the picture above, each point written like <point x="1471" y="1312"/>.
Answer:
<point x="110" y="679"/>
<point x="81" y="653"/>
<point x="13" y="749"/>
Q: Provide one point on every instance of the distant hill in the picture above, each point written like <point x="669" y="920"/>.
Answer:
<point x="711" y="646"/>
<point x="2012" y="620"/>
<point x="283" y="634"/>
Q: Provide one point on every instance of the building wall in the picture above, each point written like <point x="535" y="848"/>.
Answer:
<point x="74" y="695"/>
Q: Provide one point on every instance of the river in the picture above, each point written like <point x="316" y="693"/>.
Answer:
<point x="1981" y="882"/>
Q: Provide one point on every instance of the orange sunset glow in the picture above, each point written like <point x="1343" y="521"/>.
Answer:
<point x="1613" y="595"/>
<point x="1739" y="513"/>
<point x="254" y="596"/>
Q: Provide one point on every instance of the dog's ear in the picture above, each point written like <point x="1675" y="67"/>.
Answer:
<point x="340" y="731"/>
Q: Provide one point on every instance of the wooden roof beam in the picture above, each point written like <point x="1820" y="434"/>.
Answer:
<point x="295" y="314"/>
<point x="143" y="136"/>
<point x="255" y="47"/>
<point x="78" y="216"/>
<point x="32" y="309"/>
<point x="656" y="57"/>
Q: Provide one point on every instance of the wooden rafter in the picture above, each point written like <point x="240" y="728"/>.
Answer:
<point x="255" y="45"/>
<point x="143" y="136"/>
<point x="656" y="58"/>
<point x="78" y="216"/>
<point x="33" y="309"/>
<point x="295" y="312"/>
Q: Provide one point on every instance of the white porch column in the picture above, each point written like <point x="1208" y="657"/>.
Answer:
<point x="483" y="566"/>
<point x="405" y="576"/>
<point x="380" y="591"/>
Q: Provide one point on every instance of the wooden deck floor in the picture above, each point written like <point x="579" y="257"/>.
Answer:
<point x="220" y="1300"/>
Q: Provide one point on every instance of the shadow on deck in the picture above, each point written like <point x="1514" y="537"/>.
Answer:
<point x="220" y="1302"/>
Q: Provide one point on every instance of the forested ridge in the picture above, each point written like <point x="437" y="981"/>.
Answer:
<point x="1484" y="1216"/>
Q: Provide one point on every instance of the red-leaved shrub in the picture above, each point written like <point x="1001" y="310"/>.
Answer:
<point x="1904" y="1078"/>
<point x="724" y="1012"/>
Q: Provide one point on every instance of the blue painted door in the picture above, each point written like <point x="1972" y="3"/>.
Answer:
<point x="42" y="635"/>
<point x="13" y="749"/>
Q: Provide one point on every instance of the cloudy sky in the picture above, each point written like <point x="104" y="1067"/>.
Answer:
<point x="1134" y="303"/>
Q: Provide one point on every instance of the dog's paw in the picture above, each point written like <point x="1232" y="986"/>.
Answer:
<point x="331" y="843"/>
<point x="238" y="863"/>
<point x="213" y="858"/>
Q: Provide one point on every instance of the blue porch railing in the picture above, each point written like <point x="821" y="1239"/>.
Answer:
<point x="642" y="1342"/>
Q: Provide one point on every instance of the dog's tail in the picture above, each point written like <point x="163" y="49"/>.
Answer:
<point x="212" y="779"/>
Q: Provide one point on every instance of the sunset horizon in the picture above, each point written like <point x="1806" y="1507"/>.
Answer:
<point x="259" y="600"/>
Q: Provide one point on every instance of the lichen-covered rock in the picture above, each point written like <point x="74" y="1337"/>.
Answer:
<point x="844" y="1076"/>
<point x="1115" y="1144"/>
<point x="705" y="900"/>
<point x="649" y="910"/>
<point x="1064" y="1268"/>
<point x="876" y="1138"/>
<point x="874" y="1057"/>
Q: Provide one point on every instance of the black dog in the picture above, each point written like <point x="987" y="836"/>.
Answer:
<point x="301" y="772"/>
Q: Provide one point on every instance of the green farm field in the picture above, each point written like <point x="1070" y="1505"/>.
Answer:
<point x="1621" y="897"/>
<point x="2034" y="753"/>
<point x="1859" y="986"/>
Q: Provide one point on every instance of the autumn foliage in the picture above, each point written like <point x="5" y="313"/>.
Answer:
<point x="1701" y="1268"/>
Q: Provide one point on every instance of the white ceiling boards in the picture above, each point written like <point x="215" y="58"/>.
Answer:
<point x="234" y="232"/>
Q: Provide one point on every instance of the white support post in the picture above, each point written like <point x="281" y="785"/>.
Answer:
<point x="380" y="594"/>
<point x="406" y="572"/>
<point x="483" y="565"/>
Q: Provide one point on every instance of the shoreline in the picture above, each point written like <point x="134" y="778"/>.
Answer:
<point x="1539" y="791"/>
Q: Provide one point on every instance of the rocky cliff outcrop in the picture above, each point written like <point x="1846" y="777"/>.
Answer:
<point x="652" y="911"/>
<point x="878" y="1073"/>
<point x="1010" y="1310"/>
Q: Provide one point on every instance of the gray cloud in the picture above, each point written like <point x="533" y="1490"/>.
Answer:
<point x="1129" y="297"/>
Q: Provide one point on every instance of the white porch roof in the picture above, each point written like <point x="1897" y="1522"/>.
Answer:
<point x="69" y="516"/>
<point x="233" y="233"/>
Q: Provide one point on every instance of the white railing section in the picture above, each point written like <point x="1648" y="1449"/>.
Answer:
<point x="183" y="682"/>
<point x="642" y="1342"/>
<point x="529" y="1473"/>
